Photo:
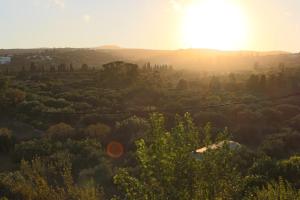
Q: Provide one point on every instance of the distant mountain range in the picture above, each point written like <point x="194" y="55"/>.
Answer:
<point x="206" y="59"/>
<point x="108" y="47"/>
<point x="200" y="59"/>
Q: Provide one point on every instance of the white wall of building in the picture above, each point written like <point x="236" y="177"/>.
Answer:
<point x="5" y="60"/>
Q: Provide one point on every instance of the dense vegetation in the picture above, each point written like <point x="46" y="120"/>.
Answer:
<point x="125" y="131"/>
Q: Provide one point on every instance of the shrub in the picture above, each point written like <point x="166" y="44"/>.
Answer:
<point x="60" y="131"/>
<point x="7" y="140"/>
<point x="97" y="131"/>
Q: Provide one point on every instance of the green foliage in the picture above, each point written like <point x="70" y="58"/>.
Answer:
<point x="131" y="129"/>
<point x="295" y="122"/>
<point x="159" y="162"/>
<point x="10" y="98"/>
<point x="290" y="170"/>
<point x="263" y="170"/>
<point x="7" y="140"/>
<point x="101" y="174"/>
<point x="39" y="180"/>
<point x="280" y="190"/>
<point x="60" y="131"/>
<point x="3" y="84"/>
<point x="217" y="119"/>
<point x="207" y="134"/>
<point x="119" y="74"/>
<point x="167" y="169"/>
<point x="84" y="154"/>
<point x="56" y="103"/>
<point x="29" y="149"/>
<point x="15" y="96"/>
<point x="283" y="144"/>
<point x="97" y="131"/>
<point x="288" y="110"/>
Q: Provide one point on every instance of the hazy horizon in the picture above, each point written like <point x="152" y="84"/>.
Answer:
<point x="116" y="47"/>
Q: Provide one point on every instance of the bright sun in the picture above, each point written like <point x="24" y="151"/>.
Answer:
<point x="214" y="24"/>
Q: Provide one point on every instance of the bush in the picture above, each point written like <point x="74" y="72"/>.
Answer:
<point x="97" y="131"/>
<point x="280" y="190"/>
<point x="60" y="131"/>
<point x="39" y="180"/>
<point x="295" y="122"/>
<point x="131" y="129"/>
<point x="7" y="141"/>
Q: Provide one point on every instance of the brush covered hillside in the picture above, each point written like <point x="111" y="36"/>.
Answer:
<point x="74" y="128"/>
<point x="192" y="59"/>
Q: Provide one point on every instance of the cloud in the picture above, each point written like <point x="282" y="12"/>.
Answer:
<point x="86" y="18"/>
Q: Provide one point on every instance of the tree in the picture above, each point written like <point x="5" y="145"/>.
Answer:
<point x="84" y="67"/>
<point x="33" y="67"/>
<point x="101" y="174"/>
<point x="182" y="85"/>
<point x="130" y="130"/>
<point x="219" y="120"/>
<point x="166" y="168"/>
<point x="288" y="111"/>
<point x="256" y="66"/>
<point x="52" y="68"/>
<point x="84" y="154"/>
<point x="281" y="67"/>
<point x="7" y="140"/>
<point x="3" y="89"/>
<point x="263" y="82"/>
<point x="215" y="84"/>
<point x="253" y="83"/>
<point x="290" y="170"/>
<point x="232" y="83"/>
<point x="119" y="74"/>
<point x="97" y="131"/>
<point x="295" y="122"/>
<point x="3" y="84"/>
<point x="71" y="67"/>
<point x="60" y="131"/>
<point x="15" y="96"/>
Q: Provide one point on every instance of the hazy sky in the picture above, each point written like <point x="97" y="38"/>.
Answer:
<point x="155" y="24"/>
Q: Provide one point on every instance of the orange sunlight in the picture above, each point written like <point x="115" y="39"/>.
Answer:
<point x="214" y="24"/>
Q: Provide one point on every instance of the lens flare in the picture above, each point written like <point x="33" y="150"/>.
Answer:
<point x="115" y="149"/>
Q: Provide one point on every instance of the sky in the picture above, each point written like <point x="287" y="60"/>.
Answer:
<point x="150" y="24"/>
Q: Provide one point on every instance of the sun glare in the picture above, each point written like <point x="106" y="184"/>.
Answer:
<point x="214" y="24"/>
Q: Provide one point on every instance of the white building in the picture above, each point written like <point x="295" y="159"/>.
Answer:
<point x="231" y="145"/>
<point x="5" y="60"/>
